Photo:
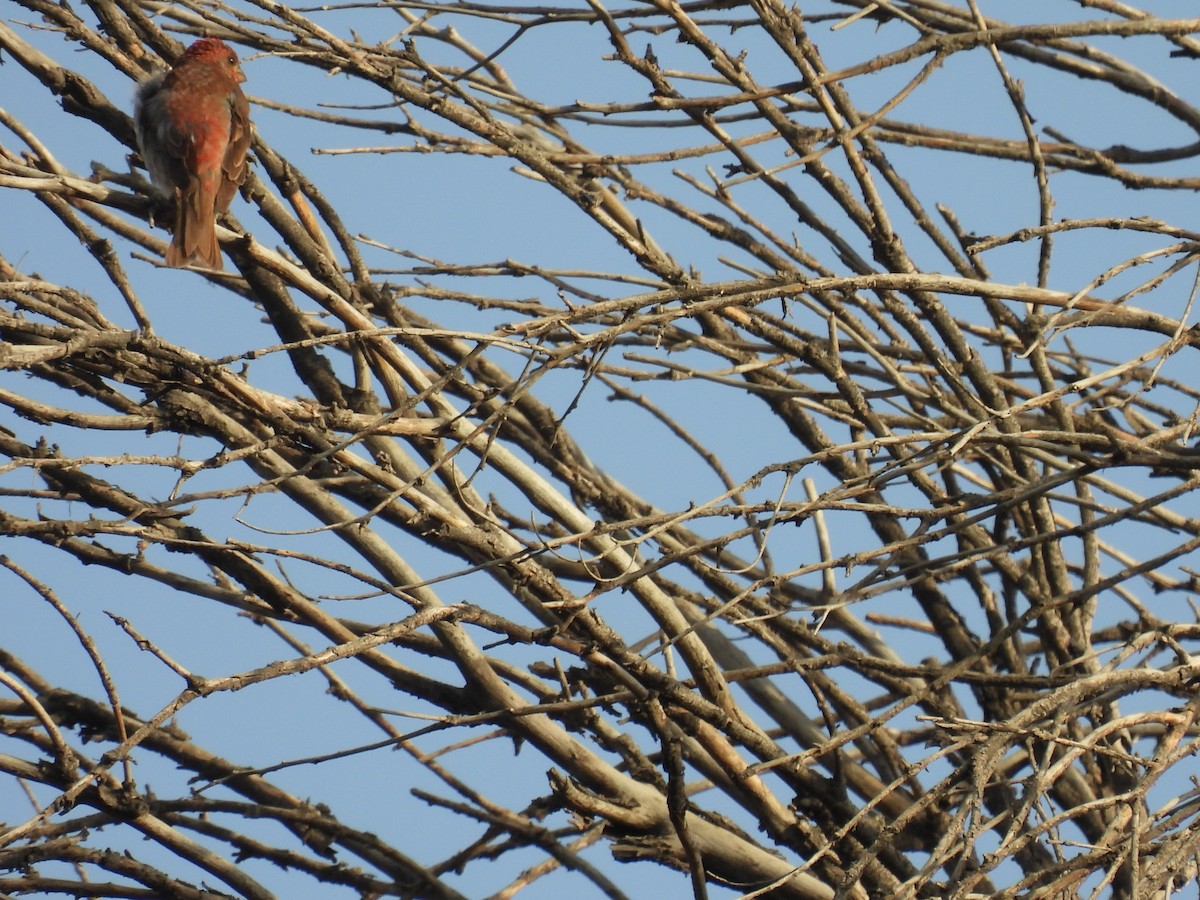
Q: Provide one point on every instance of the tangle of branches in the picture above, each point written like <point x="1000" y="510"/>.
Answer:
<point x="741" y="449"/>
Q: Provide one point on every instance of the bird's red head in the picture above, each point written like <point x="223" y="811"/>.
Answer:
<point x="216" y="51"/>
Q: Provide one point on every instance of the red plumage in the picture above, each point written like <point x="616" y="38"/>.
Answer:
<point x="193" y="127"/>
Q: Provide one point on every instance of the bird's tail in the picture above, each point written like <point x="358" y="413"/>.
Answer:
<point x="195" y="237"/>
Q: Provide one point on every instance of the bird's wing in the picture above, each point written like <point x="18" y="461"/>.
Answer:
<point x="161" y="145"/>
<point x="234" y="165"/>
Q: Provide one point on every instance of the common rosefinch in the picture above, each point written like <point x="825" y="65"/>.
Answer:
<point x="193" y="127"/>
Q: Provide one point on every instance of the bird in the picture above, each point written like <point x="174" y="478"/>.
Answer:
<point x="193" y="130"/>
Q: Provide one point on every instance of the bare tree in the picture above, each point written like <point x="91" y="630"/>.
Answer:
<point x="816" y="518"/>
